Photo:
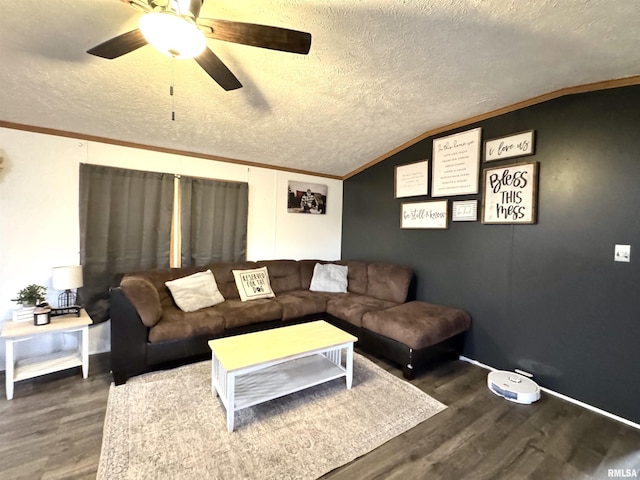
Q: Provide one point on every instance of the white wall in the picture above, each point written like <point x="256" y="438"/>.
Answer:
<point x="39" y="226"/>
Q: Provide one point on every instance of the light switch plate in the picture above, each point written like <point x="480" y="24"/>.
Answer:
<point x="622" y="253"/>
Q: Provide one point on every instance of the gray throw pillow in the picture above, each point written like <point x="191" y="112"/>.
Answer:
<point x="329" y="278"/>
<point x="196" y="291"/>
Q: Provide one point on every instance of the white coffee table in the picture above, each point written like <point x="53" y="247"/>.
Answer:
<point x="257" y="367"/>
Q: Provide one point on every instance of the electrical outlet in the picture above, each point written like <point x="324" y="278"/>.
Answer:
<point x="622" y="253"/>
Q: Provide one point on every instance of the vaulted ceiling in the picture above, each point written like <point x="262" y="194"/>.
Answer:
<point x="379" y="74"/>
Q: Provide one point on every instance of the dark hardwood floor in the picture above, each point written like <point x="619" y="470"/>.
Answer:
<point x="52" y="429"/>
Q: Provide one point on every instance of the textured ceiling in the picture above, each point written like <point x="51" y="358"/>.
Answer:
<point x="379" y="73"/>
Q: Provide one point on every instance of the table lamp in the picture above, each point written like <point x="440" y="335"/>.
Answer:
<point x="66" y="278"/>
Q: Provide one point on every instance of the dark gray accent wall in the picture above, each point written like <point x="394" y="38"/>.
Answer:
<point x="547" y="298"/>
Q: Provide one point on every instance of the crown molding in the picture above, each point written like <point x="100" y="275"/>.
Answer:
<point x="589" y="87"/>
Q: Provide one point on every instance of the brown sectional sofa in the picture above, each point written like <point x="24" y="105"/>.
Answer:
<point x="149" y="331"/>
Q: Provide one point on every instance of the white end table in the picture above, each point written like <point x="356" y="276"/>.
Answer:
<point x="23" y="369"/>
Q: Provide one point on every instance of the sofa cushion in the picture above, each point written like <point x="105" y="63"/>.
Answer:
<point x="253" y="284"/>
<point x="144" y="297"/>
<point x="159" y="276"/>
<point x="237" y="313"/>
<point x="357" y="277"/>
<point x="300" y="303"/>
<point x="224" y="276"/>
<point x="388" y="282"/>
<point x="176" y="324"/>
<point x="195" y="291"/>
<point x="418" y="324"/>
<point x="329" y="278"/>
<point x="351" y="307"/>
<point x="306" y="272"/>
<point x="284" y="275"/>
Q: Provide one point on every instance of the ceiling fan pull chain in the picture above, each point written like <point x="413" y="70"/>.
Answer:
<point x="173" y="100"/>
<point x="173" y="107"/>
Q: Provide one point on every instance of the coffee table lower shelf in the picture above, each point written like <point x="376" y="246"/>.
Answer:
<point x="245" y="389"/>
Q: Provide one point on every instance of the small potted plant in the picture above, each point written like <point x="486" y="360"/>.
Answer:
<point x="31" y="295"/>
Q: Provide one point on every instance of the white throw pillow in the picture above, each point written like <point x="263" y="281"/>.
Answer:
<point x="195" y="291"/>
<point x="329" y="278"/>
<point x="253" y="284"/>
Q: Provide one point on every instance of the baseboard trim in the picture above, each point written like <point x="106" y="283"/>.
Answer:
<point x="564" y="397"/>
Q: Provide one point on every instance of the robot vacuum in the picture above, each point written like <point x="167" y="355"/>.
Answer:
<point x="513" y="386"/>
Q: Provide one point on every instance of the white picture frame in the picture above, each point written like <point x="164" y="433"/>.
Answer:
<point x="464" y="211"/>
<point x="432" y="214"/>
<point x="456" y="164"/>
<point x="517" y="145"/>
<point x="510" y="194"/>
<point x="411" y="180"/>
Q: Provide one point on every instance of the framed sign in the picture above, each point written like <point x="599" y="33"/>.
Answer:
<point x="432" y="214"/>
<point x="456" y="164"/>
<point x="466" y="211"/>
<point x="412" y="179"/>
<point x="517" y="145"/>
<point x="510" y="194"/>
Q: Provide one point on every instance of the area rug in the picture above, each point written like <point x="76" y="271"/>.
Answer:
<point x="168" y="425"/>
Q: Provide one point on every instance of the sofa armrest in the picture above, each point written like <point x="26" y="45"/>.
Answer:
<point x="128" y="338"/>
<point x="144" y="297"/>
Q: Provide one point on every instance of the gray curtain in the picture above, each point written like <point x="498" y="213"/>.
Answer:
<point x="214" y="221"/>
<point x="125" y="226"/>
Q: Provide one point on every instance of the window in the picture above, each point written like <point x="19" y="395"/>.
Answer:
<point x="132" y="220"/>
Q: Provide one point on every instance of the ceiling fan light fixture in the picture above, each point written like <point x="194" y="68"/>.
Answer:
<point x="174" y="35"/>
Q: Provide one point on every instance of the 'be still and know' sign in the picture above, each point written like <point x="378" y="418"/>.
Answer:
<point x="510" y="194"/>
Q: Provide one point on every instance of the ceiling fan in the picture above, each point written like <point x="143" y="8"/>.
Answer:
<point x="175" y="29"/>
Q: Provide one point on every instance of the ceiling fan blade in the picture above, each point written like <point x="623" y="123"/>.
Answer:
<point x="140" y="5"/>
<point x="120" y="45"/>
<point x="263" y="36"/>
<point x="217" y="70"/>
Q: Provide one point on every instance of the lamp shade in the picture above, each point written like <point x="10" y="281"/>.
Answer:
<point x="65" y="278"/>
<point x="174" y="35"/>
